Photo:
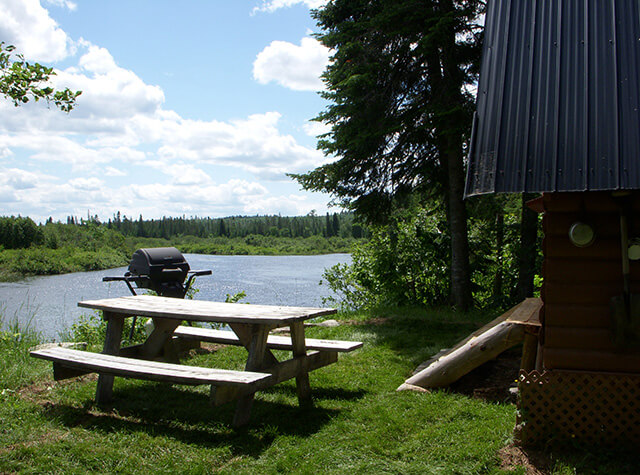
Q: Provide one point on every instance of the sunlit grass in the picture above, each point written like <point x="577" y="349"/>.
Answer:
<point x="359" y="423"/>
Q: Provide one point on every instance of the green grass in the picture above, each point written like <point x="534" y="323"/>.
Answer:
<point x="359" y="423"/>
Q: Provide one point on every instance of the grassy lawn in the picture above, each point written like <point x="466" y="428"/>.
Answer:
<point x="359" y="423"/>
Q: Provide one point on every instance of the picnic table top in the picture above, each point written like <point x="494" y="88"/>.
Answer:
<point x="205" y="311"/>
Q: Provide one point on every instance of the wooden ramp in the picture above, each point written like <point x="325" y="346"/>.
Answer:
<point x="450" y="364"/>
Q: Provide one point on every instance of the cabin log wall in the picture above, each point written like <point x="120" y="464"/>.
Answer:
<point x="579" y="283"/>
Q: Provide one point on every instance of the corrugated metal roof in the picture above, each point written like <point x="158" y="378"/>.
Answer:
<point x="558" y="98"/>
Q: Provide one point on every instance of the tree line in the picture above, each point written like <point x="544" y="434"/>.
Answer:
<point x="22" y="232"/>
<point x="336" y="224"/>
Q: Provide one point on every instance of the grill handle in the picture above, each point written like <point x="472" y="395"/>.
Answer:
<point x="127" y="280"/>
<point x="192" y="274"/>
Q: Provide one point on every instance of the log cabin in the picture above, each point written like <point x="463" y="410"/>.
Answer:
<point x="558" y="113"/>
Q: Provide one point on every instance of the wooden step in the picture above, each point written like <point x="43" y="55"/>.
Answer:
<point x="149" y="370"/>
<point x="273" y="341"/>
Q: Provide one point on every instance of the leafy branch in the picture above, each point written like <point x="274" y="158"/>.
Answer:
<point x="21" y="81"/>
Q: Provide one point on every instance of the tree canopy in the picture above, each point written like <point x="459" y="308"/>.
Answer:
<point x="386" y="84"/>
<point x="21" y="81"/>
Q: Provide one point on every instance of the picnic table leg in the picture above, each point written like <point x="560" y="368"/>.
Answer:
<point x="160" y="340"/>
<point x="243" y="332"/>
<point x="113" y="338"/>
<point x="255" y="362"/>
<point x="299" y="349"/>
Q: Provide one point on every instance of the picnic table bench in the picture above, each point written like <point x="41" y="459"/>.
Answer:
<point x="250" y="325"/>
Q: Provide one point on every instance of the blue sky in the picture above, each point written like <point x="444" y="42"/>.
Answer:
<point x="197" y="107"/>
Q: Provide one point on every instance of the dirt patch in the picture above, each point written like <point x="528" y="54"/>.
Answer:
<point x="37" y="392"/>
<point x="49" y="437"/>
<point x="533" y="461"/>
<point x="371" y="321"/>
<point x="495" y="381"/>
<point x="204" y="349"/>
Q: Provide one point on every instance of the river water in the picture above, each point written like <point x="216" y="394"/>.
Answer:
<point x="48" y="304"/>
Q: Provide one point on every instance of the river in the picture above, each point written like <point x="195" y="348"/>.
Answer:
<point x="48" y="304"/>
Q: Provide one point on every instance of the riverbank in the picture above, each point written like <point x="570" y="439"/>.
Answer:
<point x="252" y="245"/>
<point x="359" y="423"/>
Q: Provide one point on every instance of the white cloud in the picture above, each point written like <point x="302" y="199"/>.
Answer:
<point x="17" y="179"/>
<point x="63" y="4"/>
<point x="210" y="199"/>
<point x="313" y="128"/>
<point x="295" y="67"/>
<point x="112" y="171"/>
<point x="271" y="6"/>
<point x="43" y="40"/>
<point x="253" y="144"/>
<point x="86" y="184"/>
<point x="108" y="91"/>
<point x="290" y="205"/>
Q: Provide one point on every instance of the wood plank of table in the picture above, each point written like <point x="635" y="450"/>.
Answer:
<point x="154" y="370"/>
<point x="282" y="371"/>
<point x="205" y="311"/>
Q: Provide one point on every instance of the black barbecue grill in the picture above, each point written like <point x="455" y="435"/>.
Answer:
<point x="161" y="269"/>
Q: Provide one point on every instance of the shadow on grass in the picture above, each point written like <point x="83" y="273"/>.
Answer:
<point x="322" y="393"/>
<point x="415" y="335"/>
<point x="186" y="415"/>
<point x="408" y="332"/>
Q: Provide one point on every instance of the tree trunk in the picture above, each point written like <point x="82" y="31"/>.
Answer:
<point x="452" y="366"/>
<point x="460" y="273"/>
<point x="496" y="292"/>
<point x="481" y="346"/>
<point x="528" y="249"/>
<point x="452" y="120"/>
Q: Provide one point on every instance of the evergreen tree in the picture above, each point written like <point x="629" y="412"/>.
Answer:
<point x="398" y="111"/>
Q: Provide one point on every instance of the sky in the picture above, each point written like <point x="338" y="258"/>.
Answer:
<point x="196" y="108"/>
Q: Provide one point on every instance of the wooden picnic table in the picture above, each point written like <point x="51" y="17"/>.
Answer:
<point x="250" y="325"/>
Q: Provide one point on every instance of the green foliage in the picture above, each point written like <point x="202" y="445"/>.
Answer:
<point x="92" y="329"/>
<point x="252" y="244"/>
<point x="16" y="369"/>
<point x="21" y="81"/>
<point x="43" y="261"/>
<point x="61" y="248"/>
<point x="84" y="245"/>
<point x="403" y="263"/>
<point x="407" y="262"/>
<point x="17" y="233"/>
<point x="494" y="235"/>
<point x="336" y="225"/>
<point x="235" y="298"/>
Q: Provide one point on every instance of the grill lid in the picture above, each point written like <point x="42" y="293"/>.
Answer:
<point x="160" y="264"/>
